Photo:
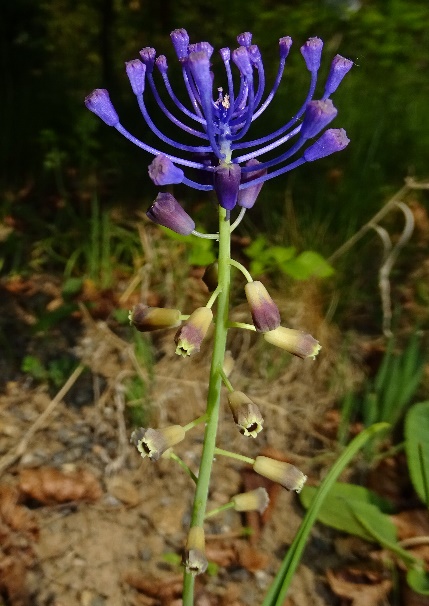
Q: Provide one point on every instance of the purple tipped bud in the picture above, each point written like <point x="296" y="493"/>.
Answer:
<point x="240" y="56"/>
<point x="136" y="71"/>
<point x="162" y="171"/>
<point x="225" y="53"/>
<point x="148" y="56"/>
<point x="339" y="68"/>
<point x="265" y="313"/>
<point x="147" y="319"/>
<point x="318" y="115"/>
<point x="254" y="54"/>
<point x="295" y="342"/>
<point x="247" y="197"/>
<point x="180" y="41"/>
<point x="166" y="211"/>
<point x="312" y="53"/>
<point x="201" y="47"/>
<point x="244" y="39"/>
<point x="227" y="183"/>
<point x="289" y="476"/>
<point x="284" y="46"/>
<point x="190" y="336"/>
<point x="332" y="140"/>
<point x="99" y="103"/>
<point x="161" y="64"/>
<point x="199" y="64"/>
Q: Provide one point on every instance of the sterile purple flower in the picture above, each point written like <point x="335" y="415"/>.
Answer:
<point x="163" y="172"/>
<point x="224" y="158"/>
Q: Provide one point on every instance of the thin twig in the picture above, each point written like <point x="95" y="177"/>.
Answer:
<point x="15" y="453"/>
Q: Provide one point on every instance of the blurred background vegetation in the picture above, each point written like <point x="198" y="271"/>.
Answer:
<point x="63" y="169"/>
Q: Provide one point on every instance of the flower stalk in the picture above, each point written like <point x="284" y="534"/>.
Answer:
<point x="215" y="383"/>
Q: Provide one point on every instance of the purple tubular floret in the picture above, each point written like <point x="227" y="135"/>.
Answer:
<point x="340" y="66"/>
<point x="332" y="140"/>
<point x="244" y="39"/>
<point x="100" y="104"/>
<point x="180" y="41"/>
<point x="312" y="53"/>
<point x="136" y="71"/>
<point x="317" y="117"/>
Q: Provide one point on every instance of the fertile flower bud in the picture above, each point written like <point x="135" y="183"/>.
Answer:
<point x="295" y="342"/>
<point x="318" y="114"/>
<point x="153" y="443"/>
<point x="163" y="172"/>
<point x="332" y="140"/>
<point x="227" y="183"/>
<point x="190" y="336"/>
<point x="247" y="415"/>
<point x="289" y="476"/>
<point x="312" y="53"/>
<point x="195" y="557"/>
<point x="339" y="68"/>
<point x="228" y="363"/>
<point x="146" y="319"/>
<point x="100" y="104"/>
<point x="211" y="276"/>
<point x="253" y="500"/>
<point x="167" y="211"/>
<point x="136" y="71"/>
<point x="265" y="313"/>
<point x="247" y="197"/>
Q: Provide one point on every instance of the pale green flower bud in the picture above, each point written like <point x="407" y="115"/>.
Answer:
<point x="295" y="342"/>
<point x="281" y="472"/>
<point x="195" y="552"/>
<point x="153" y="443"/>
<point x="253" y="500"/>
<point x="246" y="413"/>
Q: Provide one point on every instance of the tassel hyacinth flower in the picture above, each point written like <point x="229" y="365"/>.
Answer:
<point x="220" y="118"/>
<point x="220" y="156"/>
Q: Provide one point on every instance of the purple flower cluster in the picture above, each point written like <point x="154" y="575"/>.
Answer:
<point x="227" y="162"/>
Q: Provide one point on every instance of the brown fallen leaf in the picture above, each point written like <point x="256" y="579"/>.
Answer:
<point x="363" y="586"/>
<point x="15" y="516"/>
<point x="252" y="559"/>
<point x="49" y="485"/>
<point x="161" y="591"/>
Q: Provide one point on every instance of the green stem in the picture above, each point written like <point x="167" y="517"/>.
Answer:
<point x="183" y="465"/>
<point x="195" y="422"/>
<point x="234" y="455"/>
<point x="225" y="507"/>
<point x="226" y="381"/>
<point x="243" y="270"/>
<point x="215" y="383"/>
